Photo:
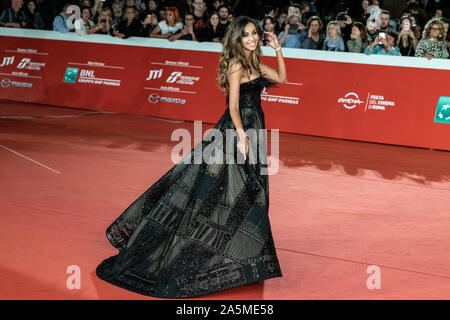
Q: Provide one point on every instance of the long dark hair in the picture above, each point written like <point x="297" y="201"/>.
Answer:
<point x="233" y="49"/>
<point x="362" y="29"/>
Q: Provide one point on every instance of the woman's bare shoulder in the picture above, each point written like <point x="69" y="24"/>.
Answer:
<point x="234" y="66"/>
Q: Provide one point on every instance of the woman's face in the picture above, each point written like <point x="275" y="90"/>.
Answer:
<point x="268" y="25"/>
<point x="130" y="3"/>
<point x="355" y="31"/>
<point x="250" y="38"/>
<point x="214" y="20"/>
<point x="170" y="16"/>
<point x="365" y="5"/>
<point x="314" y="26"/>
<point x="129" y="14"/>
<point x="282" y="18"/>
<point x="31" y="6"/>
<point x="407" y="23"/>
<point x="152" y="5"/>
<point x="435" y="30"/>
<point x="86" y="14"/>
<point x="332" y="31"/>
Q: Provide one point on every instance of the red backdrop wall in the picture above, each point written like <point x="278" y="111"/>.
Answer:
<point x="376" y="103"/>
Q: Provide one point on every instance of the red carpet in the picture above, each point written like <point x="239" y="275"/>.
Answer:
<point x="336" y="207"/>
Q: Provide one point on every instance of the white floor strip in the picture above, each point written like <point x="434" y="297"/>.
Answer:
<point x="23" y="156"/>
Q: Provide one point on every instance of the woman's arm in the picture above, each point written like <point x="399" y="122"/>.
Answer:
<point x="234" y="74"/>
<point x="94" y="29"/>
<point x="155" y="33"/>
<point x="94" y="8"/>
<point x="355" y="45"/>
<point x="279" y="76"/>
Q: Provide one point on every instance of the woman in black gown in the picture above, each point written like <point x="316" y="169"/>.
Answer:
<point x="204" y="227"/>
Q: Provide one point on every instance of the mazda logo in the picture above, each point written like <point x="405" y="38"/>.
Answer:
<point x="6" y="83"/>
<point x="153" y="98"/>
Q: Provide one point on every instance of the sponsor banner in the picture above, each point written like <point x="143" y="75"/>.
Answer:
<point x="377" y="103"/>
<point x="443" y="110"/>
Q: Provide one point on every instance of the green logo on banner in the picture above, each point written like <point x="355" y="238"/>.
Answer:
<point x="443" y="110"/>
<point x="71" y="75"/>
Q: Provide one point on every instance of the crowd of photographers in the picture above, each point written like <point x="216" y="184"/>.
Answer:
<point x="421" y="28"/>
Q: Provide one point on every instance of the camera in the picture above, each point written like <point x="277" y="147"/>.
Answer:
<point x="293" y="28"/>
<point x="381" y="35"/>
<point x="341" y="16"/>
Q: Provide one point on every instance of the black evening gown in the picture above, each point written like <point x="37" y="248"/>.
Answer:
<point x="202" y="227"/>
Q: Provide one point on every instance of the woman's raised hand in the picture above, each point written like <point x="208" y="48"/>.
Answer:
<point x="272" y="39"/>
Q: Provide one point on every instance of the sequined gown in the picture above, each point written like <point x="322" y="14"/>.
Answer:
<point x="202" y="227"/>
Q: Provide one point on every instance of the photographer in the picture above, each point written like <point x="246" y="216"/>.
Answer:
<point x="345" y="25"/>
<point x="188" y="32"/>
<point x="85" y="25"/>
<point x="384" y="44"/>
<point x="407" y="41"/>
<point x="269" y="25"/>
<point x="313" y="38"/>
<point x="105" y="22"/>
<point x="149" y="23"/>
<point x="384" y="27"/>
<point x="292" y="34"/>
<point x="359" y="39"/>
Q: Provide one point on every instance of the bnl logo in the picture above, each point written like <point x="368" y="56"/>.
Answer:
<point x="443" y="110"/>
<point x="71" y="75"/>
<point x="154" y="74"/>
